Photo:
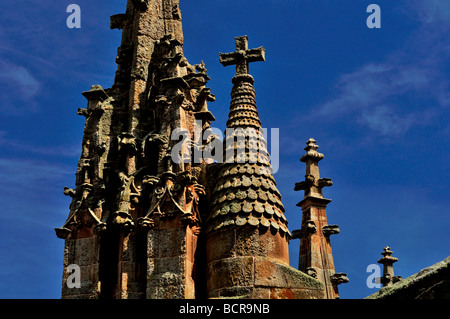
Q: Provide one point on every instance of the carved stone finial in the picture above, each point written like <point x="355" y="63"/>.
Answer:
<point x="313" y="184"/>
<point x="311" y="151"/>
<point x="202" y="112"/>
<point x="176" y="13"/>
<point x="168" y="167"/>
<point x="387" y="259"/>
<point x="388" y="269"/>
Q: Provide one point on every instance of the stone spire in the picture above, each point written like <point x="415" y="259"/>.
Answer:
<point x="316" y="257"/>
<point x="144" y="23"/>
<point x="388" y="267"/>
<point x="247" y="236"/>
<point x="246" y="193"/>
<point x="130" y="196"/>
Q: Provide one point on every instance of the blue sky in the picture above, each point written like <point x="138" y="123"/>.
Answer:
<point x="376" y="100"/>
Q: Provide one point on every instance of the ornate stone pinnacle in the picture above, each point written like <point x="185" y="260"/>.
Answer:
<point x="313" y="184"/>
<point x="388" y="268"/>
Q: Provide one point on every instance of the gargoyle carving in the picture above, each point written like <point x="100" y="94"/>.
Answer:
<point x="124" y="220"/>
<point x="310" y="271"/>
<point x="330" y="230"/>
<point x="146" y="223"/>
<point x="325" y="182"/>
<point x="154" y="138"/>
<point x="83" y="112"/>
<point x="309" y="227"/>
<point x="339" y="278"/>
<point x="69" y="192"/>
<point x="118" y="21"/>
<point x="204" y="96"/>
<point x="307" y="183"/>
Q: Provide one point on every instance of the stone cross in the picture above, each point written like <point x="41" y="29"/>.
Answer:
<point x="242" y="56"/>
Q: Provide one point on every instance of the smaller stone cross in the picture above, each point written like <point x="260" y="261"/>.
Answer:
<point x="242" y="56"/>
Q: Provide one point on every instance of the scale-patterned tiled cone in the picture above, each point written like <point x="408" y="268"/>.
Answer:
<point x="246" y="192"/>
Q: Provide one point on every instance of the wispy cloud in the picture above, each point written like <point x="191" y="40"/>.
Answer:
<point x="371" y="94"/>
<point x="432" y="11"/>
<point x="386" y="121"/>
<point x="408" y="88"/>
<point x="18" y="83"/>
<point x="20" y="77"/>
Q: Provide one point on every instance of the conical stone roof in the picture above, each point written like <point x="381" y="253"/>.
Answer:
<point x="246" y="192"/>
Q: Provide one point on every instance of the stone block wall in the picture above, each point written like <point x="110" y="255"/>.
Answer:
<point x="247" y="262"/>
<point x="82" y="253"/>
<point x="171" y="254"/>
